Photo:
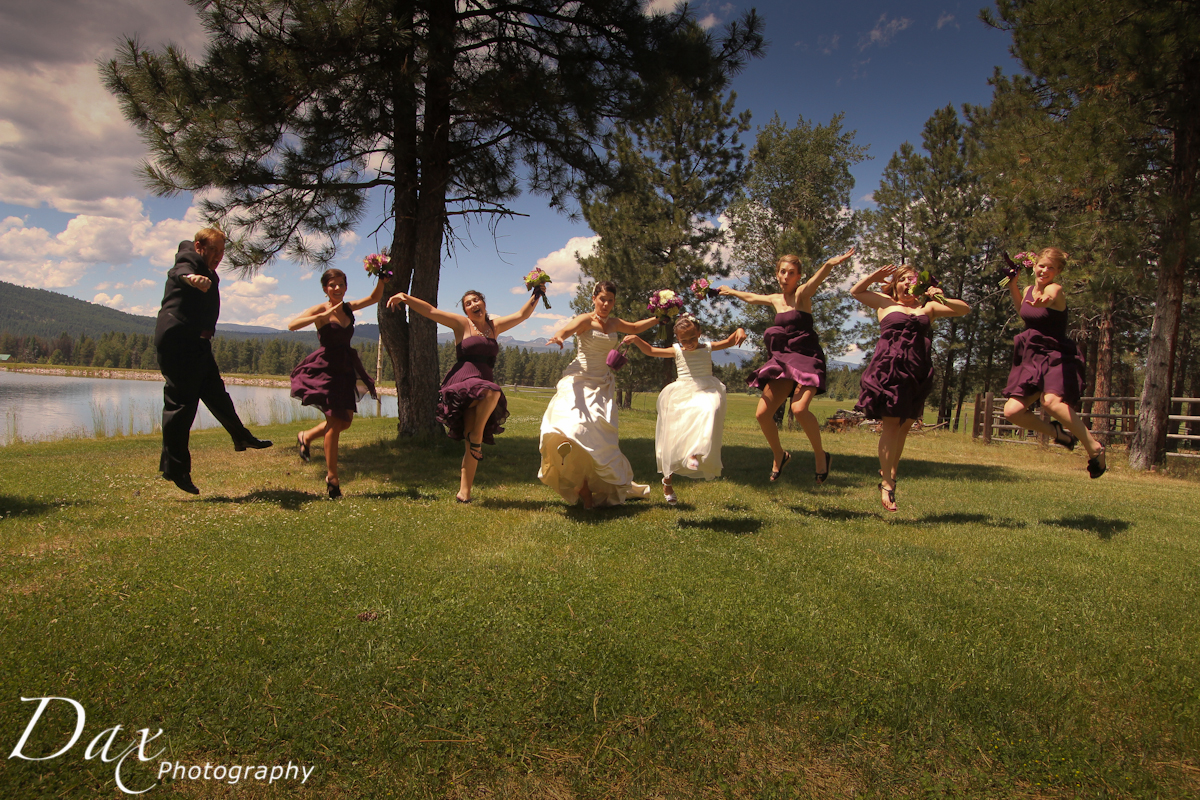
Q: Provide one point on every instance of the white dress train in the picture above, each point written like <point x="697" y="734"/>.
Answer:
<point x="583" y="413"/>
<point x="691" y="417"/>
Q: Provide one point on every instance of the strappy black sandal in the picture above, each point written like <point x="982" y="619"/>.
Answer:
<point x="476" y="449"/>
<point x="335" y="490"/>
<point x="823" y="476"/>
<point x="775" y="472"/>
<point x="1062" y="436"/>
<point x="305" y="454"/>
<point x="891" y="498"/>
<point x="1097" y="465"/>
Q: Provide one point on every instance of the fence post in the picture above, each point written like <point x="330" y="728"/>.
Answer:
<point x="988" y="417"/>
<point x="975" y="415"/>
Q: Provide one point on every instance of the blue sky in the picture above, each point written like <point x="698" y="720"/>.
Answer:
<point x="75" y="219"/>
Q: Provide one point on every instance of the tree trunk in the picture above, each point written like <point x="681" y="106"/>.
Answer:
<point x="948" y="373"/>
<point x="969" y="346"/>
<point x="1104" y="365"/>
<point x="1149" y="442"/>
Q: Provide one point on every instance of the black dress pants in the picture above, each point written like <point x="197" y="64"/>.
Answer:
<point x="192" y="376"/>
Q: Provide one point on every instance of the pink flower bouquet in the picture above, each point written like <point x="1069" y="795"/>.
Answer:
<point x="703" y="289"/>
<point x="1023" y="260"/>
<point x="537" y="280"/>
<point x="376" y="265"/>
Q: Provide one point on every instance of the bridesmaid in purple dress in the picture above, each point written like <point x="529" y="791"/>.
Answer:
<point x="796" y="367"/>
<point x="328" y="377"/>
<point x="898" y="379"/>
<point x="1047" y="366"/>
<point x="472" y="406"/>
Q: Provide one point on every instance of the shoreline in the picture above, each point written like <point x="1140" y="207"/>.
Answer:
<point x="147" y="375"/>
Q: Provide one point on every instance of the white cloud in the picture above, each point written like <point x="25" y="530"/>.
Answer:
<point x="111" y="302"/>
<point x="884" y="31"/>
<point x="709" y="21"/>
<point x="944" y="20"/>
<point x="660" y="6"/>
<point x="563" y="266"/>
<point x="253" y="302"/>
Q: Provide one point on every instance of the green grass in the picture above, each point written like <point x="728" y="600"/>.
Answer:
<point x="1017" y="630"/>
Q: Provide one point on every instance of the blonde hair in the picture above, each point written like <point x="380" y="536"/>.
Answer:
<point x="892" y="288"/>
<point x="210" y="238"/>
<point x="1057" y="257"/>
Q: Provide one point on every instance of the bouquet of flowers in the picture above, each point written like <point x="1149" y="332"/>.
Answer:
<point x="537" y="280"/>
<point x="1013" y="266"/>
<point x="702" y="288"/>
<point x="665" y="305"/>
<point x="376" y="265"/>
<point x="925" y="282"/>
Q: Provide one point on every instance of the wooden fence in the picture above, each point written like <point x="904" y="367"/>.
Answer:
<point x="990" y="424"/>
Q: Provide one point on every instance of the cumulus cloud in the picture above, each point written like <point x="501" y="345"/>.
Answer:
<point x="253" y="302"/>
<point x="660" y="6"/>
<point x="112" y="302"/>
<point x="563" y="266"/>
<point x="32" y="256"/>
<point x="884" y="31"/>
<point x="63" y="141"/>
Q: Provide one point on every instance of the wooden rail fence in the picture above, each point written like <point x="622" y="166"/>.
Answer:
<point x="991" y="425"/>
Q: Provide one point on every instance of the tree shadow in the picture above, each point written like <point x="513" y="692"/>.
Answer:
<point x="752" y="466"/>
<point x="1103" y="527"/>
<point x="12" y="507"/>
<point x="412" y="493"/>
<point x="831" y="514"/>
<point x="738" y="526"/>
<point x="517" y="505"/>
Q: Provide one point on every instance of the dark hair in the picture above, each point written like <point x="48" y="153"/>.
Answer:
<point x="330" y="274"/>
<point x="463" y="304"/>
<point x="604" y="286"/>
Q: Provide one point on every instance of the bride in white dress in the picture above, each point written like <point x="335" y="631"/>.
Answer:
<point x="580" y="456"/>
<point x="691" y="411"/>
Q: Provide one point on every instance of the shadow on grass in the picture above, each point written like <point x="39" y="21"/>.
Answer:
<point x="832" y="514"/>
<point x="11" y="507"/>
<point x="517" y="505"/>
<point x="961" y="518"/>
<point x="738" y="526"/>
<point x="1088" y="523"/>
<point x="288" y="499"/>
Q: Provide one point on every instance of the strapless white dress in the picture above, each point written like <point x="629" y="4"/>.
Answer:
<point x="583" y="412"/>
<point x="691" y="417"/>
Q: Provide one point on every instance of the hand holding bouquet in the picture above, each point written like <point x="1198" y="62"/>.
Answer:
<point x="927" y="284"/>
<point x="537" y="280"/>
<point x="376" y="265"/>
<point x="665" y="305"/>
<point x="1013" y="266"/>
<point x="703" y="289"/>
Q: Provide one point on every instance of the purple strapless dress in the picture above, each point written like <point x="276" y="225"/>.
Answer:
<point x="466" y="382"/>
<point x="1044" y="357"/>
<point x="795" y="353"/>
<point x="328" y="377"/>
<point x="900" y="375"/>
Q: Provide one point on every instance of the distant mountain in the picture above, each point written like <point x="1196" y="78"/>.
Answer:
<point x="37" y="312"/>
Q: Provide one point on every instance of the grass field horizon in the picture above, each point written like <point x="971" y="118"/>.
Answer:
<point x="1016" y="630"/>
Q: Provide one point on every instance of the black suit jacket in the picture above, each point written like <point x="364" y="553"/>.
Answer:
<point x="186" y="311"/>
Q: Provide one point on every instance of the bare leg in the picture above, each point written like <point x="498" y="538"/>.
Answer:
<point x="1062" y="412"/>
<point x="466" y="472"/>
<point x="774" y="393"/>
<point x="669" y="490"/>
<point x="892" y="436"/>
<point x="585" y="494"/>
<point x="313" y="434"/>
<point x="1016" y="411"/>
<point x="808" y="422"/>
<point x="333" y="430"/>
<point x="483" y="407"/>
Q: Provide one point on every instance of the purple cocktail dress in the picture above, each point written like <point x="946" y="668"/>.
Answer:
<point x="1044" y="357"/>
<point x="795" y="353"/>
<point x="900" y="375"/>
<point x="328" y="378"/>
<point x="468" y="380"/>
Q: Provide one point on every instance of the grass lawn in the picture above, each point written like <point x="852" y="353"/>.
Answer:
<point x="1017" y="630"/>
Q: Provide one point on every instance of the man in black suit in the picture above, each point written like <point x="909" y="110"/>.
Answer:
<point x="186" y="324"/>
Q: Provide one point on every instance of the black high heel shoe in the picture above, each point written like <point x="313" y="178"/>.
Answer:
<point x="824" y="476"/>
<point x="1097" y="465"/>
<point x="1062" y="436"/>
<point x="335" y="490"/>
<point x="303" y="449"/>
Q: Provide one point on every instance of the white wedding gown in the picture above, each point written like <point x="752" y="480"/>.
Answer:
<point x="583" y="413"/>
<point x="691" y="417"/>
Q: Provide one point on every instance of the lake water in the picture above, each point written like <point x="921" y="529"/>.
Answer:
<point x="45" y="407"/>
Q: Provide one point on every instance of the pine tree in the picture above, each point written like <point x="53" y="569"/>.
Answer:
<point x="797" y="200"/>
<point x="302" y="107"/>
